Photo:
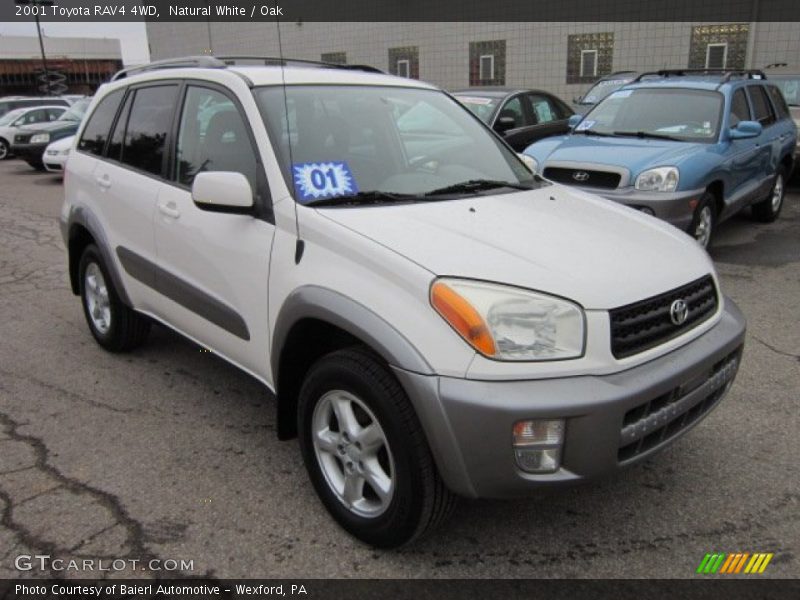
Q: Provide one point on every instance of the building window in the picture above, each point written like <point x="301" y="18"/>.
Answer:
<point x="716" y="55"/>
<point x="589" y="56"/>
<point x="487" y="63"/>
<point x="486" y="70"/>
<point x="588" y="63"/>
<point x="337" y="58"/>
<point x="404" y="61"/>
<point x="719" y="46"/>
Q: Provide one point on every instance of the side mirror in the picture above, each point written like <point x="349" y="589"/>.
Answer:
<point x="745" y="130"/>
<point x="503" y="124"/>
<point x="224" y="191"/>
<point x="574" y="120"/>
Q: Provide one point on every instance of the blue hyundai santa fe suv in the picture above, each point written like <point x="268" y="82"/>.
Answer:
<point x="690" y="147"/>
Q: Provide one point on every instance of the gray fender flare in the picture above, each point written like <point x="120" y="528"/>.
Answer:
<point x="80" y="215"/>
<point x="315" y="302"/>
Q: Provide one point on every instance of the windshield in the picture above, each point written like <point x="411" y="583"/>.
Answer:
<point x="601" y="89"/>
<point x="678" y="114"/>
<point x="11" y="116"/>
<point x="385" y="141"/>
<point x="790" y="86"/>
<point x="75" y="112"/>
<point x="482" y="107"/>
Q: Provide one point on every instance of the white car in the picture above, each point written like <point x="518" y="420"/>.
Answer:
<point x="11" y="122"/>
<point x="56" y="154"/>
<point x="434" y="319"/>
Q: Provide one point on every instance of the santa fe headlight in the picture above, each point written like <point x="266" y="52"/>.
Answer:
<point x="661" y="179"/>
<point x="508" y="323"/>
<point x="40" y="138"/>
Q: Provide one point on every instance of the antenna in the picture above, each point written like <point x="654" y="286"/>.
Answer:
<point x="299" y="249"/>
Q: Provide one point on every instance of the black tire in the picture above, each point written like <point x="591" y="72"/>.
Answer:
<point x="704" y="221"/>
<point x="5" y="150"/>
<point x="126" y="329"/>
<point x="420" y="500"/>
<point x="769" y="208"/>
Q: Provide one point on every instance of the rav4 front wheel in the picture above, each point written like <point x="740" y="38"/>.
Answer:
<point x="365" y="451"/>
<point x="115" y="326"/>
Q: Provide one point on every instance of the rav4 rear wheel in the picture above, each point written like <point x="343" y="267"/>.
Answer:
<point x="768" y="209"/>
<point x="365" y="451"/>
<point x="704" y="221"/>
<point x="3" y="149"/>
<point x="115" y="326"/>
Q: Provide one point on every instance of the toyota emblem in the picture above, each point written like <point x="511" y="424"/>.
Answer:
<point x="580" y="176"/>
<point x="678" y="312"/>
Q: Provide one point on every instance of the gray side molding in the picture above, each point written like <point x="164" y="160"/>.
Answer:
<point x="82" y="216"/>
<point x="314" y="302"/>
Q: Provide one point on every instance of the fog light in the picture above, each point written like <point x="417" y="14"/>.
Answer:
<point x="537" y="444"/>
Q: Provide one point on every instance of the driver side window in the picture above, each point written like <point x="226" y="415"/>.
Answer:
<point x="513" y="109"/>
<point x="740" y="110"/>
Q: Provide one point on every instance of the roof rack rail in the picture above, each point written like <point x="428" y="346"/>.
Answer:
<point x="727" y="74"/>
<point x="284" y="61"/>
<point x="204" y="62"/>
<point x="776" y="65"/>
<point x="222" y="62"/>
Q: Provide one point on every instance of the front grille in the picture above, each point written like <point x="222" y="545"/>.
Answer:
<point x="646" y="324"/>
<point x="659" y="420"/>
<point x="596" y="179"/>
<point x="22" y="138"/>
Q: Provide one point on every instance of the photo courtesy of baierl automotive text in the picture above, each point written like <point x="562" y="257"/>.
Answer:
<point x="289" y="295"/>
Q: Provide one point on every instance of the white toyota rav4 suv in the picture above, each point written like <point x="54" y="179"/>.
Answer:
<point x="434" y="320"/>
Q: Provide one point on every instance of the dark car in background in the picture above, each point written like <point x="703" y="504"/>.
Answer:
<point x="602" y="88"/>
<point x="521" y="117"/>
<point x="31" y="141"/>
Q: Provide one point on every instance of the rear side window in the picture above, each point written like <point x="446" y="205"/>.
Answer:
<point x="118" y="136"/>
<point x="778" y="101"/>
<point x="740" y="110"/>
<point x="149" y="122"/>
<point x="95" y="134"/>
<point x="761" y="105"/>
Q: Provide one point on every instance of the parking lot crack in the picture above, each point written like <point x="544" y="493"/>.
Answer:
<point x="134" y="530"/>
<point x="777" y="350"/>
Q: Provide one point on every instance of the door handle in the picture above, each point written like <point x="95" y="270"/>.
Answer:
<point x="104" y="182"/>
<point x="169" y="210"/>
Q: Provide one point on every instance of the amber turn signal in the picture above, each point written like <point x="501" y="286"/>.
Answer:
<point x="462" y="317"/>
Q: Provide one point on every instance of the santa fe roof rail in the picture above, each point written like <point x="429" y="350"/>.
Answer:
<point x="726" y="74"/>
<point x="274" y="61"/>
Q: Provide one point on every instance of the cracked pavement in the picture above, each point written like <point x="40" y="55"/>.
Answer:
<point x="170" y="453"/>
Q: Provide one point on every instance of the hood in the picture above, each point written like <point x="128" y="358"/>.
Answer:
<point x="51" y="127"/>
<point x="556" y="240"/>
<point x="62" y="144"/>
<point x="633" y="154"/>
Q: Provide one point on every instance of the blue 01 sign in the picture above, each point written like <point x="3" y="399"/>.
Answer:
<point x="314" y="181"/>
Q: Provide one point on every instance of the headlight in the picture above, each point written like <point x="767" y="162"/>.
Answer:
<point x="40" y="138"/>
<point x="508" y="323"/>
<point x="662" y="179"/>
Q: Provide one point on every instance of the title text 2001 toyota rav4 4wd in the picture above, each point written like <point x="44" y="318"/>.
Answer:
<point x="434" y="319"/>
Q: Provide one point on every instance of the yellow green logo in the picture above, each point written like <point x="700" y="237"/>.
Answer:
<point x="734" y="563"/>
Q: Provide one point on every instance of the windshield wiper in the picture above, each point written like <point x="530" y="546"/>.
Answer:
<point x="361" y="198"/>
<point x="592" y="132"/>
<point x="476" y="185"/>
<point x="647" y="134"/>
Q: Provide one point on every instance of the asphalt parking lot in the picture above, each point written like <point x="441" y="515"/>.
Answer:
<point x="169" y="453"/>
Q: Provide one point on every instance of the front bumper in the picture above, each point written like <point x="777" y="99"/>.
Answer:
<point x="29" y="152"/>
<point x="677" y="208"/>
<point x="612" y="421"/>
